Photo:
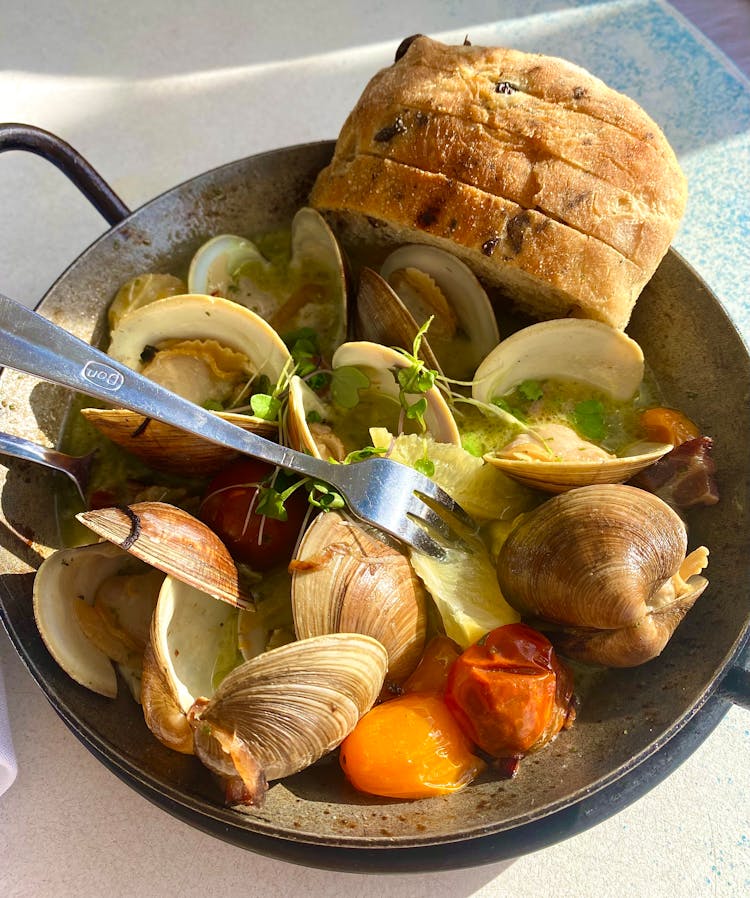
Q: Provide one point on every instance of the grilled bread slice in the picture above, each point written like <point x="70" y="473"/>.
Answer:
<point x="516" y="170"/>
<point x="551" y="270"/>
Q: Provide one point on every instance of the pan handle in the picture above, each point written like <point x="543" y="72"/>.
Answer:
<point x="71" y="164"/>
<point x="735" y="685"/>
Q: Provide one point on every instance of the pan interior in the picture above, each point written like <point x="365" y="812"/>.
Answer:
<point x="698" y="360"/>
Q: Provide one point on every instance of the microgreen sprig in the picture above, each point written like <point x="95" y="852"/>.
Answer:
<point x="415" y="380"/>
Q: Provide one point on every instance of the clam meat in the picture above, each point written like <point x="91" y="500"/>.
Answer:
<point x="568" y="391"/>
<point x="301" y="286"/>
<point x="208" y="350"/>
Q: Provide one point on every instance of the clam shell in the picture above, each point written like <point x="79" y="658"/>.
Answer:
<point x="468" y="338"/>
<point x="190" y="633"/>
<point x="592" y="557"/>
<point x="168" y="449"/>
<point x="628" y="646"/>
<point x="382" y="318"/>
<point x="347" y="580"/>
<point x="195" y="316"/>
<point x="188" y="317"/>
<point x="568" y="349"/>
<point x="64" y="578"/>
<point x="565" y="349"/>
<point x="314" y="294"/>
<point x="173" y="541"/>
<point x="288" y="707"/>
<point x="559" y="476"/>
<point x="379" y="362"/>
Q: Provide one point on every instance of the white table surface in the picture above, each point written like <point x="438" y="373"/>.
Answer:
<point x="154" y="93"/>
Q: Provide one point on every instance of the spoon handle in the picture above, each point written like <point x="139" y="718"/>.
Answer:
<point x="31" y="343"/>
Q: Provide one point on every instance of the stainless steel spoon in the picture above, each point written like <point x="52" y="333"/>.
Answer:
<point x="77" y="467"/>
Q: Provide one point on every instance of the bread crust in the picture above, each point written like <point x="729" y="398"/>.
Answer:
<point x="647" y="169"/>
<point x="470" y="152"/>
<point x="549" y="269"/>
<point x="550" y="78"/>
<point x="549" y="184"/>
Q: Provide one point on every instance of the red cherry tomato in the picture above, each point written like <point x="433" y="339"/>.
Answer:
<point x="229" y="509"/>
<point x="509" y="692"/>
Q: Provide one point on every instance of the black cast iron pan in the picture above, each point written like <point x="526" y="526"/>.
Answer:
<point x="634" y="725"/>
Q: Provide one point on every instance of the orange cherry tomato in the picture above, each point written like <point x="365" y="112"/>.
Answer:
<point x="409" y="747"/>
<point x="509" y="692"/>
<point x="667" y="425"/>
<point x="431" y="673"/>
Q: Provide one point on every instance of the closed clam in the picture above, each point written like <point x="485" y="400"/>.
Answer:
<point x="208" y="350"/>
<point x="280" y="712"/>
<point x="369" y="373"/>
<point x="549" y="453"/>
<point x="418" y="282"/>
<point x="347" y="578"/>
<point x="606" y="567"/>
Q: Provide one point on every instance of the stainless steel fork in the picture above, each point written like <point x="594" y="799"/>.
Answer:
<point x="379" y="491"/>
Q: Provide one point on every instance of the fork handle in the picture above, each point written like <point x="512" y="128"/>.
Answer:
<point x="33" y="344"/>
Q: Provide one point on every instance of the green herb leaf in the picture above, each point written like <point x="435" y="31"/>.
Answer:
<point x="415" y="411"/>
<point x="588" y="419"/>
<point x="530" y="389"/>
<point x="321" y="495"/>
<point x="511" y="410"/>
<point x="271" y="504"/>
<point x="362" y="454"/>
<point x="265" y="406"/>
<point x="213" y="405"/>
<point x="425" y="466"/>
<point x="346" y="383"/>
<point x="313" y="417"/>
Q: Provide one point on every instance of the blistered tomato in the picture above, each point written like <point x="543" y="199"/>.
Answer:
<point x="229" y="508"/>
<point x="667" y="425"/>
<point x="409" y="747"/>
<point x="509" y="692"/>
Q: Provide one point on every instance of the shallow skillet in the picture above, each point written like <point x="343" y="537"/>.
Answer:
<point x="634" y="726"/>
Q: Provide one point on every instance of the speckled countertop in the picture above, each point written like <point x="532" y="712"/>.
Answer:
<point x="154" y="94"/>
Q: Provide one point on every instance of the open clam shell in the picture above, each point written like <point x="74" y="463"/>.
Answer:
<point x="193" y="646"/>
<point x="551" y="456"/>
<point x="566" y="349"/>
<point x="602" y="559"/>
<point x="382" y="317"/>
<point x="378" y="365"/>
<point x="307" y="291"/>
<point x="280" y="712"/>
<point x="559" y="476"/>
<point x="431" y="282"/>
<point x="70" y="577"/>
<point x="215" y="348"/>
<point x="348" y="580"/>
<point x="172" y="541"/>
